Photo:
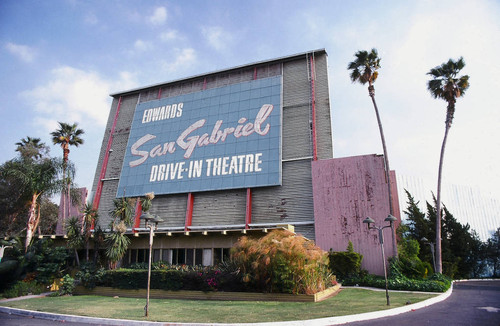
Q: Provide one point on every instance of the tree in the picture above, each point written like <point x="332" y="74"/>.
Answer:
<point x="493" y="252"/>
<point x="462" y="250"/>
<point x="37" y="178"/>
<point x="67" y="135"/>
<point x="32" y="148"/>
<point x="75" y="237"/>
<point x="446" y="85"/>
<point x="364" y="70"/>
<point x="123" y="211"/>
<point x="90" y="217"/>
<point x="116" y="244"/>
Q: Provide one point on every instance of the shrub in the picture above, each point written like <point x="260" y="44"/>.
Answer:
<point x="409" y="264"/>
<point x="22" y="288"/>
<point x="67" y="285"/>
<point x="345" y="264"/>
<point x="398" y="281"/>
<point x="89" y="275"/>
<point x="282" y="262"/>
<point x="138" y="279"/>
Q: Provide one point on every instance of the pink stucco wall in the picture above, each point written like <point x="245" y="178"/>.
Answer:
<point x="74" y="210"/>
<point x="346" y="191"/>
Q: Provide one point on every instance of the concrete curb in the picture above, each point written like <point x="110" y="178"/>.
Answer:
<point x="312" y="322"/>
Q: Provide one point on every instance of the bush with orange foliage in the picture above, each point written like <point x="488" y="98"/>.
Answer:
<point x="282" y="262"/>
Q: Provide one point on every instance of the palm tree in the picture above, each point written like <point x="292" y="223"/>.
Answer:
<point x="67" y="135"/>
<point x="123" y="211"/>
<point x="37" y="178"/>
<point x="90" y="217"/>
<point x="364" y="70"/>
<point x="446" y="85"/>
<point x="116" y="244"/>
<point x="75" y="237"/>
<point x="31" y="148"/>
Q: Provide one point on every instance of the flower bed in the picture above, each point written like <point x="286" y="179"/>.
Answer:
<point x="209" y="295"/>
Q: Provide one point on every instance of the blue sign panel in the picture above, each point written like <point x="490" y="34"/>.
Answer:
<point x="221" y="138"/>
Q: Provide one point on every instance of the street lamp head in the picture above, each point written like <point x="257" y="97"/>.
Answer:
<point x="368" y="221"/>
<point x="424" y="239"/>
<point x="391" y="219"/>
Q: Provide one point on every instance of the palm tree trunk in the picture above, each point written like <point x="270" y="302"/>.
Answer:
<point x="439" y="259"/>
<point x="77" y="258"/>
<point x="371" y="91"/>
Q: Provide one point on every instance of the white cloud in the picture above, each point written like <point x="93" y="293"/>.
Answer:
<point x="217" y="37"/>
<point x="159" y="17"/>
<point x="141" y="45"/>
<point x="74" y="95"/>
<point x="24" y="52"/>
<point x="169" y="35"/>
<point x="184" y="58"/>
<point x="91" y="19"/>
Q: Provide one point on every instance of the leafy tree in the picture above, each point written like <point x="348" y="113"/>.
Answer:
<point x="14" y="200"/>
<point x="66" y="135"/>
<point x="493" y="252"/>
<point x="418" y="225"/>
<point x="462" y="250"/>
<point x="49" y="211"/>
<point x="37" y="178"/>
<point x="447" y="85"/>
<point x="364" y="69"/>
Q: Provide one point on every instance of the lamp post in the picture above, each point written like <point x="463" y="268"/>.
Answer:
<point x="431" y="244"/>
<point x="148" y="220"/>
<point x="391" y="219"/>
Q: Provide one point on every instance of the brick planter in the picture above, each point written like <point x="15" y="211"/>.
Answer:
<point x="200" y="295"/>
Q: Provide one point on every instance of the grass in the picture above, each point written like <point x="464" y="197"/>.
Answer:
<point x="347" y="302"/>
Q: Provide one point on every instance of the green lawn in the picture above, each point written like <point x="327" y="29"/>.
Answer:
<point x="348" y="301"/>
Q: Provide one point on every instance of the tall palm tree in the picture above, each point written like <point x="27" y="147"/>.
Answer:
<point x="364" y="70"/>
<point x="67" y="135"/>
<point x="37" y="178"/>
<point x="446" y="85"/>
<point x="31" y="148"/>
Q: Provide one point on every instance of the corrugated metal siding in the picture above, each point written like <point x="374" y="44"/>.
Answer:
<point x="306" y="231"/>
<point x="323" y="118"/>
<point x="296" y="88"/>
<point x="171" y="209"/>
<point x="296" y="138"/>
<point x="291" y="202"/>
<point x="219" y="208"/>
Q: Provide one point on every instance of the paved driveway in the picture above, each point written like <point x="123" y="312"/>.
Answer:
<point x="471" y="303"/>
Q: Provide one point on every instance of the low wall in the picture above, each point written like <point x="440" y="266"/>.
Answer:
<point x="200" y="295"/>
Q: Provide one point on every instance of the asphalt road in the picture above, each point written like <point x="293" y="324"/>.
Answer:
<point x="471" y="303"/>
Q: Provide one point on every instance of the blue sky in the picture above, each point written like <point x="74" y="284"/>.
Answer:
<point x="61" y="59"/>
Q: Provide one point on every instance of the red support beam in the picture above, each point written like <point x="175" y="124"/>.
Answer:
<point x="248" y="213"/>
<point x="189" y="212"/>
<point x="138" y="213"/>
<point x="313" y="100"/>
<point x="102" y="175"/>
